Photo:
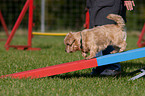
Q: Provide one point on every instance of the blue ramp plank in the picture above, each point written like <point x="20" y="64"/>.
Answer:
<point x="119" y="57"/>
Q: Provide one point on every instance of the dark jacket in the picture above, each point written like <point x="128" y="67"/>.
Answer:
<point x="99" y="9"/>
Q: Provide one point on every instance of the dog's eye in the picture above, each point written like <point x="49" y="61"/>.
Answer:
<point x="70" y="44"/>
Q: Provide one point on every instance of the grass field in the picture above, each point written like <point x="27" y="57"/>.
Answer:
<point x="78" y="83"/>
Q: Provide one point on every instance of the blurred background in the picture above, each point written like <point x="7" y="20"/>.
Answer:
<point x="60" y="15"/>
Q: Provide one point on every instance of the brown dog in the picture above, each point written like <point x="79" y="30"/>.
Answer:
<point x="98" y="38"/>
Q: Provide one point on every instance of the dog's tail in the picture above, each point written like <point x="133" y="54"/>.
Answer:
<point x="118" y="19"/>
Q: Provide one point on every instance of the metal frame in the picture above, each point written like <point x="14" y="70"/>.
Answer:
<point x="142" y="70"/>
<point x="49" y="34"/>
<point x="139" y="43"/>
<point x="28" y="4"/>
<point x="4" y="25"/>
<point x="87" y="21"/>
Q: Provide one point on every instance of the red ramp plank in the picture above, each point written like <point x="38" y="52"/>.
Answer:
<point x="54" y="70"/>
<point x="79" y="65"/>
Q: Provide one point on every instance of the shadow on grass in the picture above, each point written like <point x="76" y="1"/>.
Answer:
<point x="127" y="65"/>
<point x="134" y="67"/>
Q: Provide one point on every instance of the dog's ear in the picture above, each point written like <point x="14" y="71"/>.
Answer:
<point x="71" y="38"/>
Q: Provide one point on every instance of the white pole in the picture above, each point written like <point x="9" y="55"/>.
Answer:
<point x="42" y="15"/>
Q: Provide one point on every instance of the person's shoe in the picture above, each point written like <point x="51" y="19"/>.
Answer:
<point x="108" y="72"/>
<point x="94" y="72"/>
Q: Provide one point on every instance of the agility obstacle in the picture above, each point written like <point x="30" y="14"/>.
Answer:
<point x="4" y="25"/>
<point x="28" y="6"/>
<point x="141" y="41"/>
<point x="87" y="21"/>
<point x="142" y="70"/>
<point x="49" y="34"/>
<point x="79" y="65"/>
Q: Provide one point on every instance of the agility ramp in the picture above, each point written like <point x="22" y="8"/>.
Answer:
<point x="79" y="65"/>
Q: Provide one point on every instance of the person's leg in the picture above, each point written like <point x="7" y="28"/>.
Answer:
<point x="112" y="69"/>
<point x="98" y="16"/>
<point x="115" y="66"/>
<point x="98" y="70"/>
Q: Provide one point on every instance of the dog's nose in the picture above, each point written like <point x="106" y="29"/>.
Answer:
<point x="70" y="51"/>
<point x="66" y="51"/>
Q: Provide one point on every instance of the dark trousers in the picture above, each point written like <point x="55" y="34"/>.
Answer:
<point x="98" y="10"/>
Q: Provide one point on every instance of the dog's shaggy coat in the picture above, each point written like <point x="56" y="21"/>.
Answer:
<point x="98" y="38"/>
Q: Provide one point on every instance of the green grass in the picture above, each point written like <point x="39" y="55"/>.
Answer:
<point x="78" y="83"/>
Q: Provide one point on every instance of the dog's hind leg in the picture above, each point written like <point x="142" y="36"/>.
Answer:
<point x="122" y="46"/>
<point x="116" y="49"/>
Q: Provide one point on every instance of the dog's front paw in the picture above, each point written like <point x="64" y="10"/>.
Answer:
<point x="121" y="50"/>
<point x="89" y="57"/>
<point x="84" y="54"/>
